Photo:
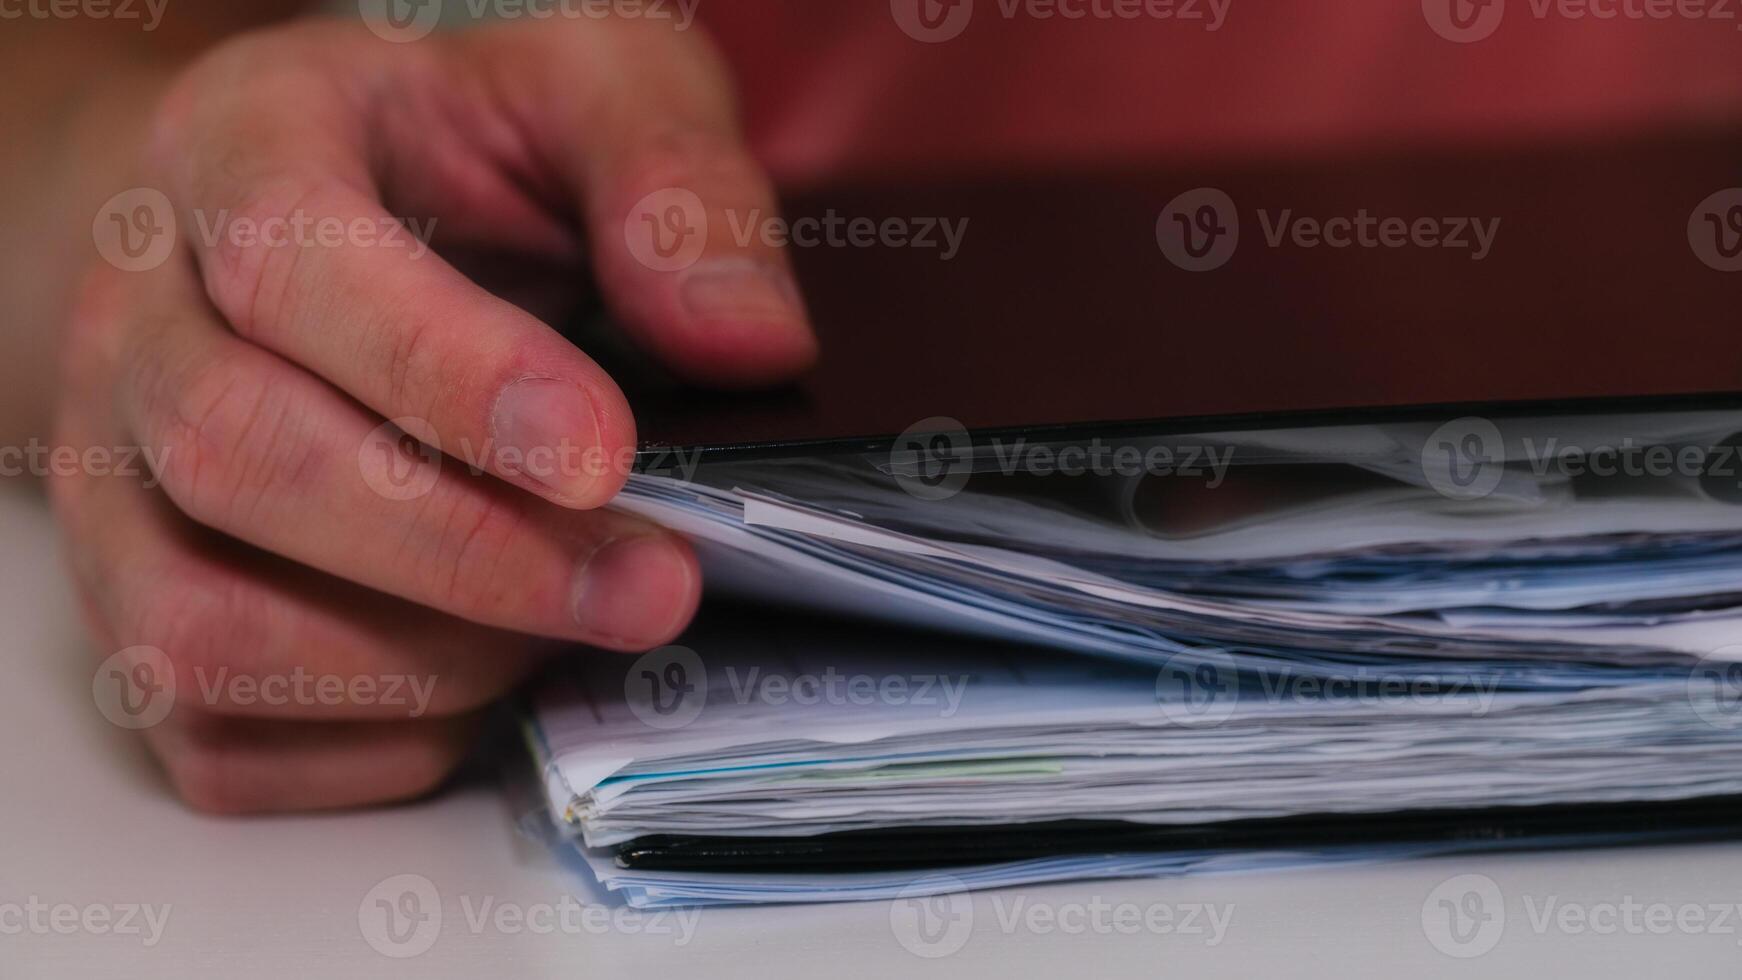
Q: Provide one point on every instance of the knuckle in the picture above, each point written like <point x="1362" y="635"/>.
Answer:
<point x="229" y="442"/>
<point x="244" y="68"/>
<point x="230" y="128"/>
<point x="415" y="368"/>
<point x="473" y="543"/>
<point x="252" y="272"/>
<point x="673" y="154"/>
<point x="232" y="84"/>
<point x="202" y="623"/>
<point x="602" y="72"/>
<point x="714" y="166"/>
<point x="235" y="59"/>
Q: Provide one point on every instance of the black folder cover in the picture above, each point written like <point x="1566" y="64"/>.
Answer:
<point x="1716" y="818"/>
<point x="1061" y="310"/>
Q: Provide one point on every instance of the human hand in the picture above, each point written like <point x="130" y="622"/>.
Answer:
<point x="281" y="531"/>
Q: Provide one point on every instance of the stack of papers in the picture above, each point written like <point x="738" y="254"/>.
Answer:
<point x="1438" y="672"/>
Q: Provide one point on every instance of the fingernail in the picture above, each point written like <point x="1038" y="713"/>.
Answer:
<point x="547" y="432"/>
<point x="634" y="591"/>
<point x="739" y="289"/>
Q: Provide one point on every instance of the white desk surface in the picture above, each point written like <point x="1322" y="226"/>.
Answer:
<point x="86" y="822"/>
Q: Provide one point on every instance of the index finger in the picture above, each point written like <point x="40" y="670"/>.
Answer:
<point x="299" y="254"/>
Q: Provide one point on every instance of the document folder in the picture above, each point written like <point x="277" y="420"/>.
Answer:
<point x="1312" y="553"/>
